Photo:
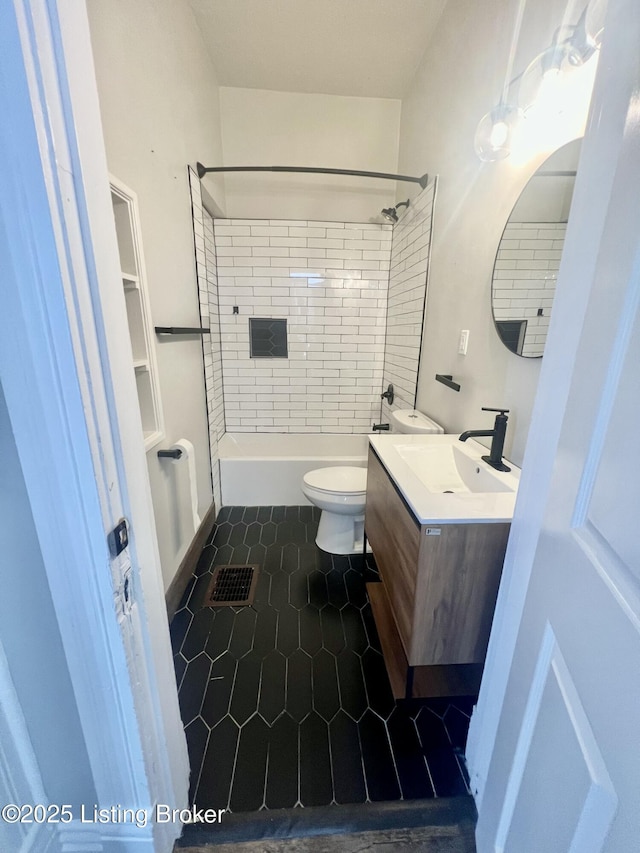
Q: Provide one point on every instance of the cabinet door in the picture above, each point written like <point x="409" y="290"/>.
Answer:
<point x="458" y="578"/>
<point x="394" y="535"/>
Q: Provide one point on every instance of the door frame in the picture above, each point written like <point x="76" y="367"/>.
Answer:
<point x="64" y="337"/>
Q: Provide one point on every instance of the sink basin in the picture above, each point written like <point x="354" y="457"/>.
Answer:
<point x="445" y="480"/>
<point x="449" y="469"/>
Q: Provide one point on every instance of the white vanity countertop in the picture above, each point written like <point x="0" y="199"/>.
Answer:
<point x="434" y="506"/>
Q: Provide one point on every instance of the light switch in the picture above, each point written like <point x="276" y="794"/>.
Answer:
<point x="464" y="342"/>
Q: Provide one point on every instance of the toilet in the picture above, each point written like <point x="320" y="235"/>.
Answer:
<point x="341" y="492"/>
<point x="413" y="422"/>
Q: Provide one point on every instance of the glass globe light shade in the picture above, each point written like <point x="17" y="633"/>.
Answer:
<point x="586" y="37"/>
<point x="494" y="133"/>
<point x="538" y="85"/>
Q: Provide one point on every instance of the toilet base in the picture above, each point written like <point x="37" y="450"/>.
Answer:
<point x="340" y="534"/>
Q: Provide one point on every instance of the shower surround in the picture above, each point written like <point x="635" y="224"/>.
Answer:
<point x="329" y="280"/>
<point x="352" y="296"/>
<point x="207" y="279"/>
<point x="408" y="279"/>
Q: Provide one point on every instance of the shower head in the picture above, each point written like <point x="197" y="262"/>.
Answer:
<point x="390" y="213"/>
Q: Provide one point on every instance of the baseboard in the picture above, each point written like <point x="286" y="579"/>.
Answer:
<point x="189" y="562"/>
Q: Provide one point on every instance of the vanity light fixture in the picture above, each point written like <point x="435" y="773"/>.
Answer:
<point x="587" y="34"/>
<point x="571" y="47"/>
<point x="539" y="81"/>
<point x="493" y="136"/>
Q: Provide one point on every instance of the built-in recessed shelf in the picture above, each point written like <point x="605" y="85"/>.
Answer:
<point x="125" y="215"/>
<point x="121" y="204"/>
<point x="130" y="281"/>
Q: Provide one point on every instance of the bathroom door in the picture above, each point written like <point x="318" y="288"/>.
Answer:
<point x="564" y="772"/>
<point x="20" y="780"/>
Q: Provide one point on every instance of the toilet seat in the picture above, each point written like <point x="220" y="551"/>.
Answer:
<point x="343" y="480"/>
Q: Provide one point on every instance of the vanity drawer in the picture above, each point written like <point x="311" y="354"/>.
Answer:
<point x="394" y="535"/>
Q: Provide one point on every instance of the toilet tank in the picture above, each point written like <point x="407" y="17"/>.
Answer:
<point x="414" y="422"/>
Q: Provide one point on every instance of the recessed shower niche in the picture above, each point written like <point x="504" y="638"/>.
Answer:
<point x="267" y="337"/>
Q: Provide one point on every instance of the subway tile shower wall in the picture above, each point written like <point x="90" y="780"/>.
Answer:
<point x="207" y="277"/>
<point x="407" y="292"/>
<point x="329" y="281"/>
<point x="525" y="278"/>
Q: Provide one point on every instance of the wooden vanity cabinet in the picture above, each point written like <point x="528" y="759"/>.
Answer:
<point x="434" y="607"/>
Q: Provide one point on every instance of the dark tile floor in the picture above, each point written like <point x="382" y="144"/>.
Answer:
<point x="287" y="702"/>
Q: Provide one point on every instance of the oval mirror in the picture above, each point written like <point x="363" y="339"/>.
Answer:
<point x="528" y="257"/>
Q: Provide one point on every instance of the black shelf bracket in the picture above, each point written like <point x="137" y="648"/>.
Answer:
<point x="447" y="379"/>
<point x="181" y="330"/>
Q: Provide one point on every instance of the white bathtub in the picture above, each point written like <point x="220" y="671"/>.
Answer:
<point x="266" y="469"/>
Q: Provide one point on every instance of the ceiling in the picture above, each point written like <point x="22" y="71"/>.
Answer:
<point x="365" y="48"/>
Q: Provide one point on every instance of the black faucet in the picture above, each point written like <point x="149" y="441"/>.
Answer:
<point x="388" y="395"/>
<point x="377" y="427"/>
<point x="497" y="438"/>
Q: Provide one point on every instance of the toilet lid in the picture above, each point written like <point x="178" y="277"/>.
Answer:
<point x="347" y="479"/>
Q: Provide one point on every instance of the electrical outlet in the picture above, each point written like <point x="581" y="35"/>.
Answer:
<point x="464" y="342"/>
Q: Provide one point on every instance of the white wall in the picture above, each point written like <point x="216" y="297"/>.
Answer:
<point x="30" y="637"/>
<point x="460" y="80"/>
<point x="159" y="105"/>
<point x="266" y="128"/>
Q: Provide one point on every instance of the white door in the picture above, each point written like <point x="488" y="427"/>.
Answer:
<point x="66" y="371"/>
<point x="20" y="780"/>
<point x="564" y="772"/>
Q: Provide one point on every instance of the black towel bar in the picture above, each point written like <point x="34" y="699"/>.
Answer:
<point x="181" y="330"/>
<point x="447" y="380"/>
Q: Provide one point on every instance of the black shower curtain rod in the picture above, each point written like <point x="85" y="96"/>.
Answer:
<point x="203" y="170"/>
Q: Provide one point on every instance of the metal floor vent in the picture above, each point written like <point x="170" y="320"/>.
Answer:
<point x="232" y="586"/>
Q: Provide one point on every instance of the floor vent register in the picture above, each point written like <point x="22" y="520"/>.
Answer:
<point x="232" y="586"/>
